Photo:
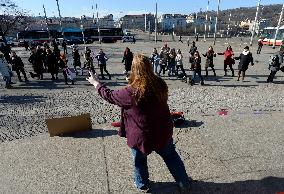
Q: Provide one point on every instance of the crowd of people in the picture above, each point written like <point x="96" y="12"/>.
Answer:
<point x="49" y="59"/>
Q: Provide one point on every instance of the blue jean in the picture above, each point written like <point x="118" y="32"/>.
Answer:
<point x="170" y="157"/>
<point x="7" y="79"/>
<point x="171" y="69"/>
<point x="198" y="72"/>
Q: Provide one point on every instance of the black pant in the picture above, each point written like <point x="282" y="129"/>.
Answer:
<point x="102" y="69"/>
<point x="22" y="70"/>
<point x="259" y="49"/>
<point x="206" y="70"/>
<point x="271" y="76"/>
<point x="182" y="69"/>
<point x="162" y="68"/>
<point x="65" y="50"/>
<point x="231" y="68"/>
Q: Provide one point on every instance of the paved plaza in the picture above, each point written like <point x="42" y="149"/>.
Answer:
<point x="241" y="152"/>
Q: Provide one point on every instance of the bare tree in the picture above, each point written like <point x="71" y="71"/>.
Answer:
<point x="11" y="16"/>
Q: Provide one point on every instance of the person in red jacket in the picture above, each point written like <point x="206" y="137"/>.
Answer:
<point x="229" y="60"/>
<point x="146" y="120"/>
<point x="260" y="45"/>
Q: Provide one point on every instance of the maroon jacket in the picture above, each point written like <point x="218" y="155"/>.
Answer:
<point x="149" y="127"/>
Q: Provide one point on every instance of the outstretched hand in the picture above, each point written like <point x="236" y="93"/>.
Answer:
<point x="93" y="79"/>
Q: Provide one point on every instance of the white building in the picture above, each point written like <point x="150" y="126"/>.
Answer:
<point x="169" y="22"/>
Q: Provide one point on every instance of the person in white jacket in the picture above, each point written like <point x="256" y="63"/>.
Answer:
<point x="179" y="64"/>
<point x="5" y="71"/>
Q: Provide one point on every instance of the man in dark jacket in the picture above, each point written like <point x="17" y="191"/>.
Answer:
<point x="18" y="66"/>
<point x="102" y="59"/>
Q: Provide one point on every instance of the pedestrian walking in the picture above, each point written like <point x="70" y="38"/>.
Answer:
<point x="67" y="73"/>
<point x="180" y="39"/>
<point x="229" y="60"/>
<point x="245" y="59"/>
<point x="260" y="45"/>
<point x="18" y="66"/>
<point x="102" y="59"/>
<point x="210" y="54"/>
<point x="146" y="122"/>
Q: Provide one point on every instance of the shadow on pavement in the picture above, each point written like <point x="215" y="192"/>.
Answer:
<point x="190" y="123"/>
<point x="22" y="99"/>
<point x="95" y="133"/>
<point x="268" y="185"/>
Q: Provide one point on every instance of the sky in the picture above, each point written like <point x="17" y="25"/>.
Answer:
<point x="120" y="8"/>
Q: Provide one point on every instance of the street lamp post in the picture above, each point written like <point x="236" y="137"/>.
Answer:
<point x="278" y="26"/>
<point x="254" y="25"/>
<point x="60" y="18"/>
<point x="216" y="24"/>
<point x="206" y="21"/>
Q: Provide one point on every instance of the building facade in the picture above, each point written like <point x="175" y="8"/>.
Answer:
<point x="171" y="22"/>
<point x="137" y="22"/>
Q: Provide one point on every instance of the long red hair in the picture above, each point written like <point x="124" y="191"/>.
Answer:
<point x="148" y="86"/>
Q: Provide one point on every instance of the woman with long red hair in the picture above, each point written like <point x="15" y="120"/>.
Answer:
<point x="146" y="121"/>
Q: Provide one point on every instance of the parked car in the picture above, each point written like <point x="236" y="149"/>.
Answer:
<point x="128" y="39"/>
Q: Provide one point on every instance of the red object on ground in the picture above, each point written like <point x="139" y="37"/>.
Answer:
<point x="115" y="124"/>
<point x="223" y="112"/>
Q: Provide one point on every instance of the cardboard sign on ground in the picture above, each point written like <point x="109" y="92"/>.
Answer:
<point x="67" y="125"/>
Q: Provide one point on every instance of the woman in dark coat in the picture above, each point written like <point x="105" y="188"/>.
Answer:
<point x="127" y="60"/>
<point x="210" y="54"/>
<point x="196" y="68"/>
<point x="36" y="59"/>
<point x="52" y="65"/>
<point x="245" y="59"/>
<point x="146" y="121"/>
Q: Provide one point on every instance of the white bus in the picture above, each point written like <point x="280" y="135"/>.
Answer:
<point x="269" y="35"/>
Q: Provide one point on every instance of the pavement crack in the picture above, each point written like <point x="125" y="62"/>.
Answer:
<point x="105" y="160"/>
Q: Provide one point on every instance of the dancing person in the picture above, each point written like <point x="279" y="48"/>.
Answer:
<point x="127" y="60"/>
<point x="179" y="63"/>
<point x="196" y="68"/>
<point x="229" y="60"/>
<point x="172" y="62"/>
<point x="76" y="60"/>
<point x="18" y="65"/>
<point x="155" y="59"/>
<point x="146" y="122"/>
<point x="52" y="65"/>
<point x="64" y="46"/>
<point x="245" y="59"/>
<point x="36" y="59"/>
<point x="102" y="59"/>
<point x="274" y="64"/>
<point x="66" y="71"/>
<point x="164" y="58"/>
<point x="180" y="39"/>
<point x="88" y="64"/>
<point x="5" y="71"/>
<point x="210" y="54"/>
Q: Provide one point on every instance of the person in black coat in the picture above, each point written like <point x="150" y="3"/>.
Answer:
<point x="245" y="59"/>
<point x="274" y="64"/>
<point x="36" y="59"/>
<point x="51" y="62"/>
<point x="76" y="60"/>
<point x="196" y="68"/>
<point x="64" y="46"/>
<point x="18" y="66"/>
<point x="210" y="54"/>
<point x="127" y="60"/>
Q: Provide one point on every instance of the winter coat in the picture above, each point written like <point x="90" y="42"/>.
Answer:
<point x="102" y="59"/>
<point x="245" y="59"/>
<point x="127" y="59"/>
